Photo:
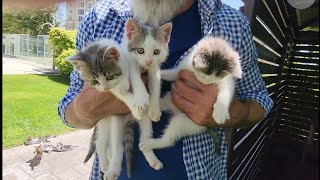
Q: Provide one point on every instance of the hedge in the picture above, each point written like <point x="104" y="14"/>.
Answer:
<point x="63" y="43"/>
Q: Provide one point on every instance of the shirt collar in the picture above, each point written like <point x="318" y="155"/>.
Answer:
<point x="210" y="7"/>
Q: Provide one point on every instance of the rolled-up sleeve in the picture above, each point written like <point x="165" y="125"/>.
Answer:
<point x="84" y="35"/>
<point x="251" y="85"/>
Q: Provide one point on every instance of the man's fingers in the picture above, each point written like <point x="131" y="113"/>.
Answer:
<point x="182" y="103"/>
<point x="184" y="89"/>
<point x="189" y="76"/>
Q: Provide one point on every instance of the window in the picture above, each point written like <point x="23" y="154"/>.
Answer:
<point x="81" y="3"/>
<point x="81" y="11"/>
<point x="89" y="5"/>
<point x="80" y="18"/>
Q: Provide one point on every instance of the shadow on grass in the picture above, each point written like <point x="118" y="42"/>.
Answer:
<point x="63" y="79"/>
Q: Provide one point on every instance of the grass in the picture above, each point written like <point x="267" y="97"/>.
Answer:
<point x="30" y="107"/>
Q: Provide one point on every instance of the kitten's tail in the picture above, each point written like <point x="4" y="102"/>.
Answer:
<point x="92" y="146"/>
<point x="129" y="143"/>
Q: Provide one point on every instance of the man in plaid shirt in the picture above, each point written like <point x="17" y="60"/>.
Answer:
<point x="192" y="157"/>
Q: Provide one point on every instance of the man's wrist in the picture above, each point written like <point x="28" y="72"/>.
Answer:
<point x="243" y="114"/>
<point x="74" y="120"/>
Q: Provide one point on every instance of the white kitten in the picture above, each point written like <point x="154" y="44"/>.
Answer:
<point x="149" y="48"/>
<point x="213" y="61"/>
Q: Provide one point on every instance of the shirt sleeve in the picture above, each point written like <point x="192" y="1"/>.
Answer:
<point x="251" y="85"/>
<point x="84" y="35"/>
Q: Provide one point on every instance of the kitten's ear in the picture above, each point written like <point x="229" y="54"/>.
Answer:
<point x="131" y="28"/>
<point x="111" y="53"/>
<point x="164" y="33"/>
<point x="76" y="61"/>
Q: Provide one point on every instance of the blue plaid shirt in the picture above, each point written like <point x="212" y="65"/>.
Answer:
<point x="106" y="20"/>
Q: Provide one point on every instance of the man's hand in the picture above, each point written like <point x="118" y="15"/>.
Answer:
<point x="194" y="98"/>
<point x="90" y="105"/>
<point x="197" y="100"/>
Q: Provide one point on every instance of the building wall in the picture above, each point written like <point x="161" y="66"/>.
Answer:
<point x="75" y="10"/>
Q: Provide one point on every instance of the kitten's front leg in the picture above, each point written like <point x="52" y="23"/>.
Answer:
<point x="221" y="108"/>
<point x="130" y="102"/>
<point x="169" y="74"/>
<point x="140" y="93"/>
<point x="154" y="87"/>
<point x="124" y="85"/>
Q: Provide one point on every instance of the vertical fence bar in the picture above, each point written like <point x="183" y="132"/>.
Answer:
<point x="28" y="45"/>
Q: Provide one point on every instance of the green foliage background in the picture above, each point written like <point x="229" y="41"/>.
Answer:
<point x="17" y="21"/>
<point x="64" y="44"/>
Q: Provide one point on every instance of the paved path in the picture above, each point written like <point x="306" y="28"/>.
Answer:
<point x="20" y="66"/>
<point x="56" y="165"/>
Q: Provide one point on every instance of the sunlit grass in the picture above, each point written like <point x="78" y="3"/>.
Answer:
<point x="30" y="107"/>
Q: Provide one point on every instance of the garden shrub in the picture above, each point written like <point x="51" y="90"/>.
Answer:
<point x="62" y="40"/>
<point x="64" y="66"/>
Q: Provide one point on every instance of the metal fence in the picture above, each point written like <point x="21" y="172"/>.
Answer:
<point x="24" y="46"/>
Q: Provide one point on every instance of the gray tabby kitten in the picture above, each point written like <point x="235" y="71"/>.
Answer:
<point x="212" y="61"/>
<point x="104" y="65"/>
<point x="111" y="67"/>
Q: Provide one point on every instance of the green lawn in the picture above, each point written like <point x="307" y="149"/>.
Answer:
<point x="30" y="107"/>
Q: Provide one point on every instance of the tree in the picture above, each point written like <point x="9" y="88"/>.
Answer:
<point x="27" y="21"/>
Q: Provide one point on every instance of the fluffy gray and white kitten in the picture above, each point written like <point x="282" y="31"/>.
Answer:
<point x="113" y="67"/>
<point x="149" y="47"/>
<point x="104" y="65"/>
<point x="212" y="61"/>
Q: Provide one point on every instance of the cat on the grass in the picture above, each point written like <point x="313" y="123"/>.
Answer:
<point x="113" y="67"/>
<point x="212" y="61"/>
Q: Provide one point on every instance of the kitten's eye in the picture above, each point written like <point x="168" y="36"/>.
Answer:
<point x="94" y="82"/>
<point x="118" y="73"/>
<point x="156" y="52"/>
<point x="140" y="50"/>
<point x="110" y="77"/>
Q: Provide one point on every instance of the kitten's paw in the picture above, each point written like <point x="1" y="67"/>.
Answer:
<point x="137" y="113"/>
<point x="123" y="91"/>
<point x="147" y="145"/>
<point x="124" y="87"/>
<point x="156" y="164"/>
<point x="142" y="102"/>
<point x="220" y="114"/>
<point x="153" y="161"/>
<point x="154" y="114"/>
<point x="113" y="173"/>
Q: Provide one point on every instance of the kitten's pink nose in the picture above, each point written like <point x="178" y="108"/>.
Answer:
<point x="148" y="62"/>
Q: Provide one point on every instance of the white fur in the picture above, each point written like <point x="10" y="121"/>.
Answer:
<point x="180" y="124"/>
<point x="150" y="44"/>
<point x="153" y="69"/>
